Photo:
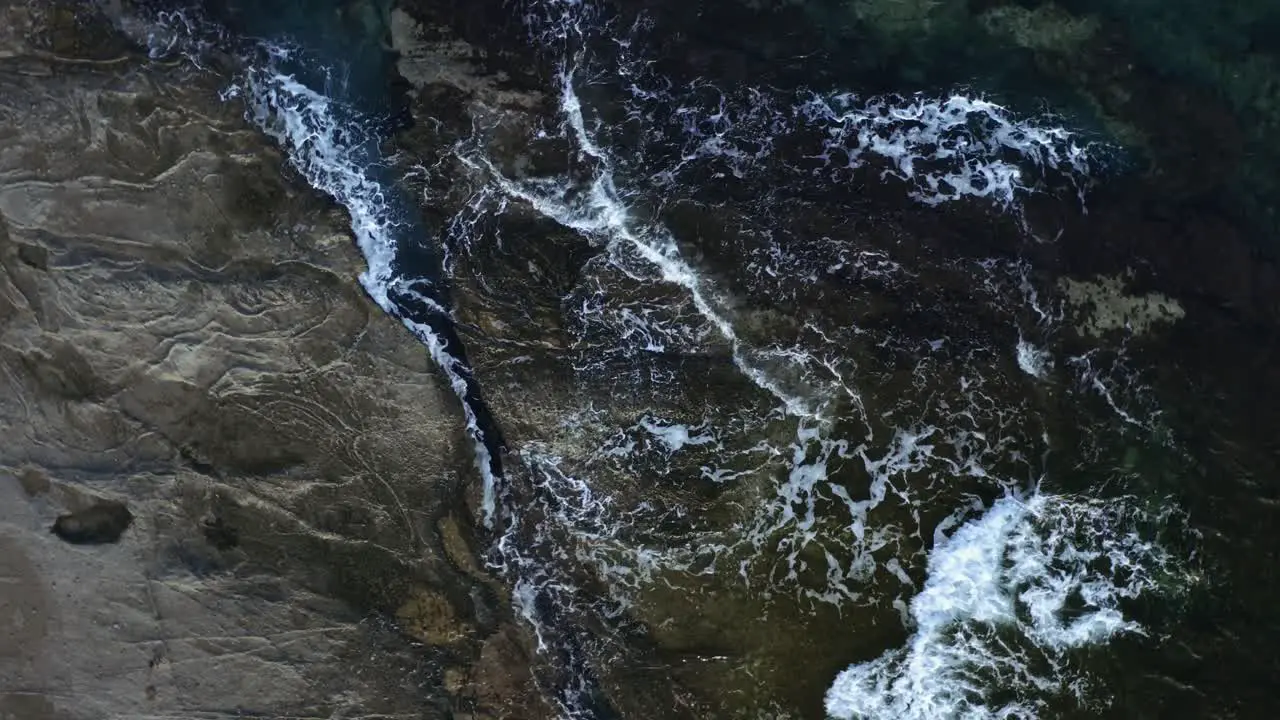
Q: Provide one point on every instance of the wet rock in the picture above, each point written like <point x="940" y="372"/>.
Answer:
<point x="99" y="524"/>
<point x="430" y="617"/>
<point x="1045" y="28"/>
<point x="502" y="688"/>
<point x="449" y="63"/>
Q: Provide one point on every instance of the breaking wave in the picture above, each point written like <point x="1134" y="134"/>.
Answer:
<point x="1008" y="597"/>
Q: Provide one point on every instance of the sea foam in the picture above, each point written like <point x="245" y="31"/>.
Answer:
<point x="1007" y="597"/>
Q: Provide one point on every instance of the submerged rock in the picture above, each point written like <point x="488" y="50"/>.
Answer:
<point x="1102" y="306"/>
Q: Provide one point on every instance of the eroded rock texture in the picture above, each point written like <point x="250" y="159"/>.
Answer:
<point x="182" y="340"/>
<point x="230" y="486"/>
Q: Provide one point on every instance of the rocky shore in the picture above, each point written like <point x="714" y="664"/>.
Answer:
<point x="231" y="486"/>
<point x="183" y="343"/>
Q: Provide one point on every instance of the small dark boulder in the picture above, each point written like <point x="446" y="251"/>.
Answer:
<point x="219" y="534"/>
<point x="34" y="255"/>
<point x="101" y="523"/>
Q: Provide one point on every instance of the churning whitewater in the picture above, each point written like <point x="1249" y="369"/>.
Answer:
<point x="1004" y="590"/>
<point x="1008" y="595"/>
<point x="332" y="148"/>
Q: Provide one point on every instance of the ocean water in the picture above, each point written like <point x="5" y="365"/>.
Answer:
<point x="826" y="434"/>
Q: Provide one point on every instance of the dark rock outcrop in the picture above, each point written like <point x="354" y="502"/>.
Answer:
<point x="101" y="523"/>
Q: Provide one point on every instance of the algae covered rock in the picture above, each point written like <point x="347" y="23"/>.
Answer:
<point x="1045" y="28"/>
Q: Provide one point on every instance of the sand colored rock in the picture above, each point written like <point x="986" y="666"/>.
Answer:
<point x="182" y="339"/>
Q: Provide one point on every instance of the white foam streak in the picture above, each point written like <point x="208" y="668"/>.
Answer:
<point x="600" y="214"/>
<point x="571" y="106"/>
<point x="582" y="524"/>
<point x="303" y="122"/>
<point x="332" y="155"/>
<point x="1104" y="384"/>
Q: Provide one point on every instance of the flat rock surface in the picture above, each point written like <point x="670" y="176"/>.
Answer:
<point x="181" y="333"/>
